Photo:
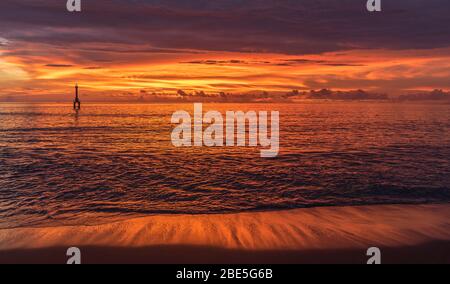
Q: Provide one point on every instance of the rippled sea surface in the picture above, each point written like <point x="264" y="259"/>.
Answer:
<point x="108" y="162"/>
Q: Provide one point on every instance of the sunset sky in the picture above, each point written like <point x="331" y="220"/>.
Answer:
<point x="127" y="49"/>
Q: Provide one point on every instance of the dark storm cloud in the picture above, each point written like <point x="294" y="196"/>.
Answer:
<point x="217" y="62"/>
<point x="281" y="26"/>
<point x="59" y="65"/>
<point x="284" y="62"/>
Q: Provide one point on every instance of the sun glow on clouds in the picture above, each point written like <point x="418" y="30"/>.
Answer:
<point x="12" y="75"/>
<point x="119" y="47"/>
<point x="214" y="72"/>
<point x="246" y="73"/>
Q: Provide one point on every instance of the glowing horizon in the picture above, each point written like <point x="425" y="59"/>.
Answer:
<point x="216" y="48"/>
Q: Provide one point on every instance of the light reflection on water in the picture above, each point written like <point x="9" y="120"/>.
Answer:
<point x="116" y="161"/>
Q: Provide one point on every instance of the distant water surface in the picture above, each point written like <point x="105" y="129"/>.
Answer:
<point x="108" y="162"/>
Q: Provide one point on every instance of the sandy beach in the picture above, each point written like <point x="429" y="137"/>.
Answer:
<point x="404" y="233"/>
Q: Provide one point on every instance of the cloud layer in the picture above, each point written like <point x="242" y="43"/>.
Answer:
<point x="226" y="45"/>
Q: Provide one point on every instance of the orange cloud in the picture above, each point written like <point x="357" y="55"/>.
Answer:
<point x="380" y="70"/>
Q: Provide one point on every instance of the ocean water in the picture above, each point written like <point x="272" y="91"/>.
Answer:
<point x="115" y="161"/>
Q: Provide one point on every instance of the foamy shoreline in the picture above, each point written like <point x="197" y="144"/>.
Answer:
<point x="298" y="229"/>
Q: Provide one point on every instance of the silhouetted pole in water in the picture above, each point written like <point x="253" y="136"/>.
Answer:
<point x="76" y="102"/>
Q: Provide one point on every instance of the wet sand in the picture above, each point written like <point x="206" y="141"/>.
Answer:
<point x="404" y="233"/>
